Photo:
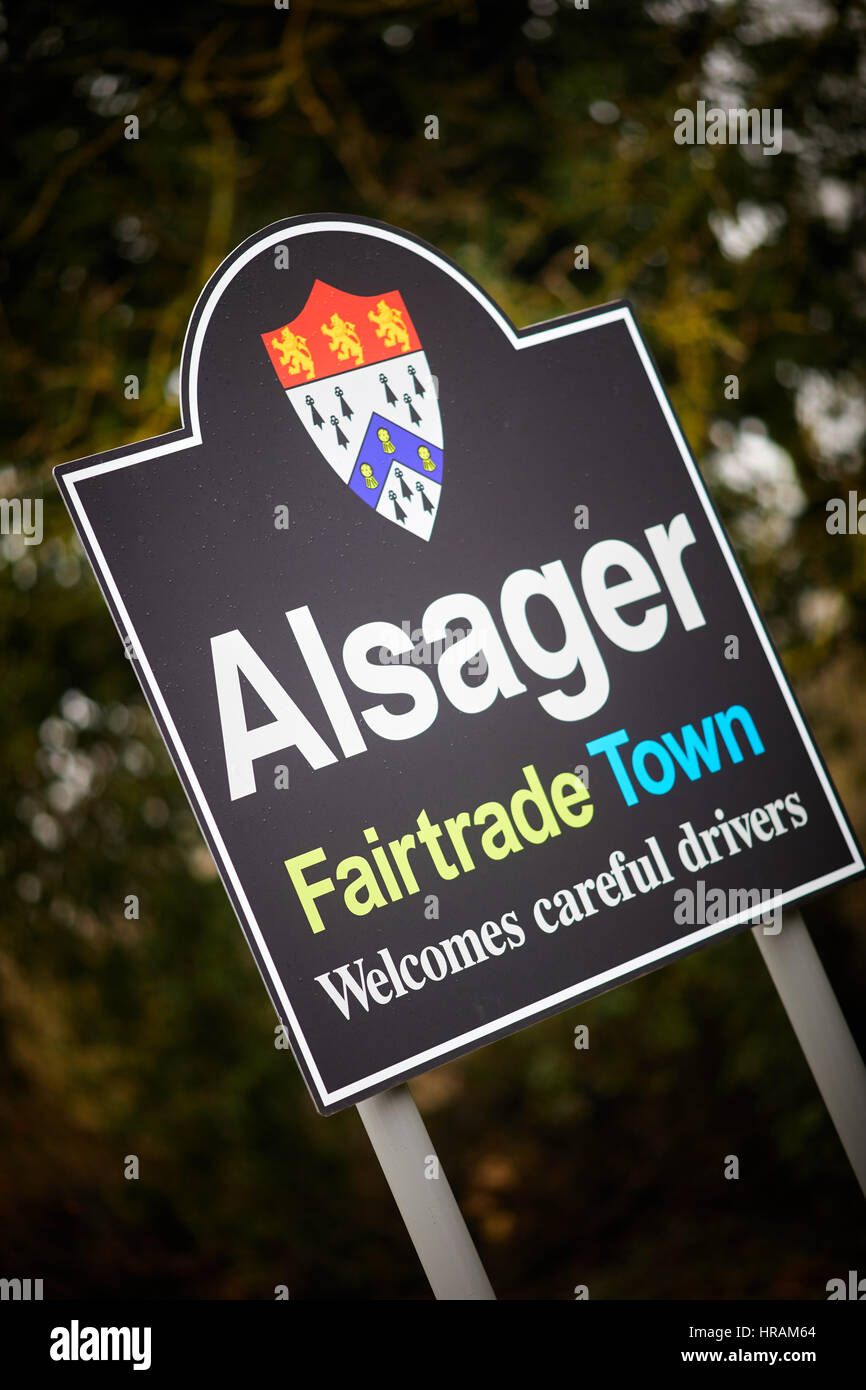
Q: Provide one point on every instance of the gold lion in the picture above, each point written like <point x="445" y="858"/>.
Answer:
<point x="390" y="326"/>
<point x="294" y="353"/>
<point x="344" y="340"/>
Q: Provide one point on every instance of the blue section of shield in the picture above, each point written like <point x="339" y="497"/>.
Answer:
<point x="374" y="459"/>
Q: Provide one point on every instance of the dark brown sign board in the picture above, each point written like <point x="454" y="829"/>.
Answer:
<point x="451" y="652"/>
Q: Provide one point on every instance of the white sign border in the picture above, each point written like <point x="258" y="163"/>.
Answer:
<point x="209" y="299"/>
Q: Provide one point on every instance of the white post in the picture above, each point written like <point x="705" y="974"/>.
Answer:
<point x="822" y="1032"/>
<point x="424" y="1197"/>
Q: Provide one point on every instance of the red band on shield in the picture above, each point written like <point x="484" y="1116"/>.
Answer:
<point x="336" y="332"/>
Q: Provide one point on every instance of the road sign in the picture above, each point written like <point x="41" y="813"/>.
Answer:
<point x="465" y="751"/>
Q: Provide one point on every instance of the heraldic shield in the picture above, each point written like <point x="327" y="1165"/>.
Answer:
<point x="357" y="376"/>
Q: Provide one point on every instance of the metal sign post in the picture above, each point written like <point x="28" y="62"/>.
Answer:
<point x="821" y="1030"/>
<point x="423" y="1195"/>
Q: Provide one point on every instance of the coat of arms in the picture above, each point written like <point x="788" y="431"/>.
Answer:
<point x="357" y="376"/>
